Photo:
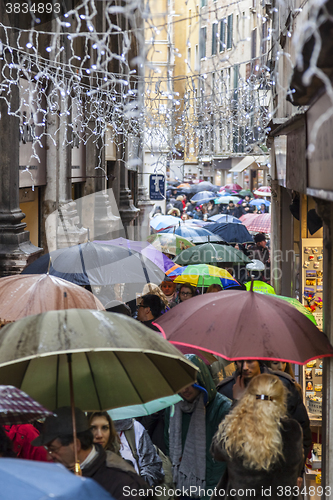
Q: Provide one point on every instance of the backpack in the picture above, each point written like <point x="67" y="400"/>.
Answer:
<point x="167" y="482"/>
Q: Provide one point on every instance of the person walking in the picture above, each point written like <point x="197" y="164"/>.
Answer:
<point x="233" y="387"/>
<point x="149" y="309"/>
<point x="189" y="432"/>
<point x="261" y="445"/>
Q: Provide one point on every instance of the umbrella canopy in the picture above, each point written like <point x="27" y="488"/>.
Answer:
<point x="40" y="480"/>
<point x="257" y="223"/>
<point x="233" y="187"/>
<point x="26" y="294"/>
<point x="194" y="234"/>
<point x="203" y="197"/>
<point x="263" y="191"/>
<point x="204" y="186"/>
<point x="116" y="361"/>
<point x="144" y="409"/>
<point x="203" y="275"/>
<point x="231" y="232"/>
<point x="224" y="200"/>
<point x="296" y="303"/>
<point x="169" y="243"/>
<point x="153" y="254"/>
<point x="42" y="265"/>
<point x="239" y="325"/>
<point x="162" y="221"/>
<point x="99" y="265"/>
<point x="245" y="192"/>
<point x="16" y="407"/>
<point x="210" y="253"/>
<point x="224" y="218"/>
<point x="260" y="286"/>
<point x="184" y="185"/>
<point x="260" y="201"/>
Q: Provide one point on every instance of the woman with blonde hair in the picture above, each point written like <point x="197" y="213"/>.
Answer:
<point x="262" y="447"/>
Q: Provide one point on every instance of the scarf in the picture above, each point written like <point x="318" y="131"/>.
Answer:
<point x="189" y="464"/>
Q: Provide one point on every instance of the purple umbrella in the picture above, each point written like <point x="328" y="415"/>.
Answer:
<point x="145" y="248"/>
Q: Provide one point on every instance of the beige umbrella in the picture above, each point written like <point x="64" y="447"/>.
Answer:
<point x="23" y="295"/>
<point x="106" y="360"/>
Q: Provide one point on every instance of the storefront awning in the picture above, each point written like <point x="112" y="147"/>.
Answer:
<point x="255" y="162"/>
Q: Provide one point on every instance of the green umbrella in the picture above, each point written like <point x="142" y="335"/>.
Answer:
<point x="144" y="409"/>
<point x="296" y="303"/>
<point x="169" y="243"/>
<point x="246" y="192"/>
<point x="210" y="253"/>
<point x="260" y="286"/>
<point x="225" y="200"/>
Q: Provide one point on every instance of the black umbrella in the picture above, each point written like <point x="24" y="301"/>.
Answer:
<point x="231" y="232"/>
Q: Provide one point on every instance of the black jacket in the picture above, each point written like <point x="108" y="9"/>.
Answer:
<point x="263" y="484"/>
<point x="113" y="473"/>
<point x="295" y="406"/>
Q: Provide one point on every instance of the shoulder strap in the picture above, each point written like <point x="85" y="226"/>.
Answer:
<point x="130" y="436"/>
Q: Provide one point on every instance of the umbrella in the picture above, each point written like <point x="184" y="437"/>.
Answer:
<point x="257" y="223"/>
<point x="153" y="254"/>
<point x="169" y="243"/>
<point x="233" y="187"/>
<point x="263" y="191"/>
<point x="245" y="192"/>
<point x="239" y="325"/>
<point x="210" y="253"/>
<point x="260" y="286"/>
<point x="144" y="409"/>
<point x="260" y="201"/>
<point x="116" y="361"/>
<point x="224" y="200"/>
<point x="42" y="265"/>
<point x="26" y="294"/>
<point x="99" y="265"/>
<point x="30" y="480"/>
<point x="16" y="407"/>
<point x="204" y="186"/>
<point x="162" y="221"/>
<point x="203" y="197"/>
<point x="194" y="234"/>
<point x="203" y="275"/>
<point x="224" y="218"/>
<point x="231" y="232"/>
<point x="296" y="303"/>
<point x="183" y="185"/>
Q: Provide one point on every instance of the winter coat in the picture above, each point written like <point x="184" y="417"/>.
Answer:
<point x="295" y="406"/>
<point x="147" y="463"/>
<point x="21" y="437"/>
<point x="263" y="484"/>
<point x="217" y="406"/>
<point x="114" y="474"/>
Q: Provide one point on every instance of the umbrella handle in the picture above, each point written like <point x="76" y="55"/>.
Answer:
<point x="77" y="469"/>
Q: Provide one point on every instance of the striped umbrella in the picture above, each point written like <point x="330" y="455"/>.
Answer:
<point x="203" y="275"/>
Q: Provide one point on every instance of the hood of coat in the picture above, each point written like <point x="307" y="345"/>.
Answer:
<point x="205" y="382"/>
<point x="123" y="425"/>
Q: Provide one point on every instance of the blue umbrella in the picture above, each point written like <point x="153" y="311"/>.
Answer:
<point x="162" y="221"/>
<point x="260" y="201"/>
<point x="203" y="197"/>
<point x="224" y="218"/>
<point x="231" y="232"/>
<point x="194" y="234"/>
<point x="40" y="480"/>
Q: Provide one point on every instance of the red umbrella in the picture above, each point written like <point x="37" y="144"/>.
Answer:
<point x="240" y="325"/>
<point x="232" y="187"/>
<point x="258" y="223"/>
<point x="16" y="407"/>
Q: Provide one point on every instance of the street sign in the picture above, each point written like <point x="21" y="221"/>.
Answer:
<point x="156" y="186"/>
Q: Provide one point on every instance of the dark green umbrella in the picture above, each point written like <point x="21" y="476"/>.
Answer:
<point x="245" y="192"/>
<point x="210" y="253"/>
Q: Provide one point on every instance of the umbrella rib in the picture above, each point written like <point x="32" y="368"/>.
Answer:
<point x="144" y="268"/>
<point x="93" y="379"/>
<point x="129" y="377"/>
<point x="57" y="380"/>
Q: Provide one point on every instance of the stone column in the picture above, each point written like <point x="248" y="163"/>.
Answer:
<point x="128" y="212"/>
<point x="16" y="250"/>
<point x="325" y="211"/>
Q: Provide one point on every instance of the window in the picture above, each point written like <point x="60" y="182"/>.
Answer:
<point x="202" y="42"/>
<point x="203" y="3"/>
<point x="243" y="25"/>
<point x="197" y="64"/>
<point x="229" y="31"/>
<point x="189" y="18"/>
<point x="189" y="56"/>
<point x="213" y="83"/>
<point x="264" y="38"/>
<point x="222" y="35"/>
<point x="214" y="38"/>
